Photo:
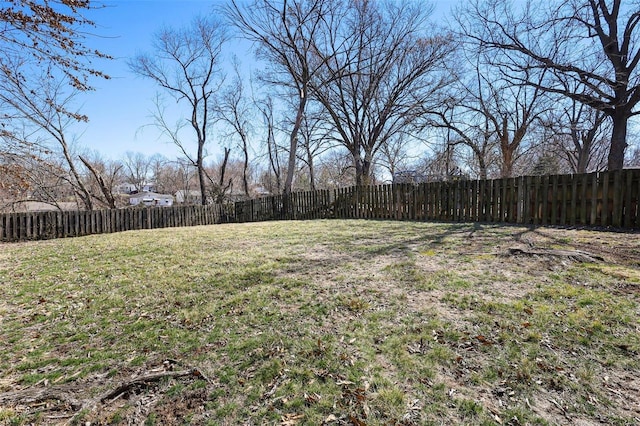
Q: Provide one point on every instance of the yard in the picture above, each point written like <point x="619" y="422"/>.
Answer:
<point x="337" y="322"/>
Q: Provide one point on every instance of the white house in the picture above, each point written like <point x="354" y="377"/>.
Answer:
<point x="151" y="199"/>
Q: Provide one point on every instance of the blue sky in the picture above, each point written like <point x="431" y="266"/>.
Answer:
<point x="119" y="109"/>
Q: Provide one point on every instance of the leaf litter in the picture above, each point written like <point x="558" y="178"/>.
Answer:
<point x="397" y="323"/>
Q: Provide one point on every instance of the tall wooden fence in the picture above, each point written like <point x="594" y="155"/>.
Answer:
<point x="606" y="199"/>
<point x="61" y="224"/>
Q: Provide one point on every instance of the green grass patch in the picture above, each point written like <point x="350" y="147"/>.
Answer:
<point x="326" y="321"/>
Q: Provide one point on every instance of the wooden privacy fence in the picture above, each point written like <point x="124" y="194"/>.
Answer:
<point x="60" y="224"/>
<point x="605" y="199"/>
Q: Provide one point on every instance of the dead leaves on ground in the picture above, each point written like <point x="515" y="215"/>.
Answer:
<point x="72" y="402"/>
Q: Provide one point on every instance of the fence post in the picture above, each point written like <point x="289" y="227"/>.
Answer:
<point x="545" y="200"/>
<point x="604" y="217"/>
<point x="628" y="202"/>
<point x="616" y="211"/>
<point x="488" y="188"/>
<point x="495" y="195"/>
<point x="553" y="204"/>
<point x="594" y="199"/>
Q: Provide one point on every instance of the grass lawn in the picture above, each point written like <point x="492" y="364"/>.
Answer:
<point x="322" y="322"/>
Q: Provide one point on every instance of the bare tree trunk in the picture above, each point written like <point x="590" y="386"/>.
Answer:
<point x="223" y="167"/>
<point x="81" y="189"/>
<point x="363" y="169"/>
<point x="482" y="165"/>
<point x="223" y="172"/>
<point x="358" y="166"/>
<point x="312" y="178"/>
<point x="618" y="141"/>
<point x="201" y="175"/>
<point x="245" y="168"/>
<point x="293" y="141"/>
<point x="507" y="152"/>
<point x="106" y="191"/>
<point x="583" y="157"/>
<point x="275" y="164"/>
<point x="272" y="148"/>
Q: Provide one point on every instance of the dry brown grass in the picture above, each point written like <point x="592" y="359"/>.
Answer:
<point x="336" y="322"/>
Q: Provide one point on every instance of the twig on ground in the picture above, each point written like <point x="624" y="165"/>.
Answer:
<point x="143" y="380"/>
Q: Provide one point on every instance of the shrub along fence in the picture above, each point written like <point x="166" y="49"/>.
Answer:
<point x="605" y="199"/>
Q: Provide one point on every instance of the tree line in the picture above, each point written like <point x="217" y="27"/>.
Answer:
<point x="345" y="92"/>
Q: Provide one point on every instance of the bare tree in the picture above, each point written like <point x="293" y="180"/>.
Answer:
<point x="178" y="177"/>
<point x="49" y="33"/>
<point x="235" y="111"/>
<point x="13" y="181"/>
<point x="467" y="120"/>
<point x="185" y="63"/>
<point x="505" y="114"/>
<point x="394" y="156"/>
<point x="315" y="140"/>
<point x="39" y="36"/>
<point x="137" y="167"/>
<point x="223" y="185"/>
<point x="226" y="173"/>
<point x="442" y="165"/>
<point x="284" y="32"/>
<point x="589" y="49"/>
<point x="335" y="169"/>
<point x="579" y="135"/>
<point x="486" y="112"/>
<point x="379" y="67"/>
<point x="42" y="178"/>
<point x="273" y="150"/>
<point x="105" y="175"/>
<point x="157" y="165"/>
<point x="41" y="108"/>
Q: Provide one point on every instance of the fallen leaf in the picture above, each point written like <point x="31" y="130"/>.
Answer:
<point x="291" y="419"/>
<point x="356" y="422"/>
<point x="483" y="340"/>
<point x="311" y="398"/>
<point x="330" y="418"/>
